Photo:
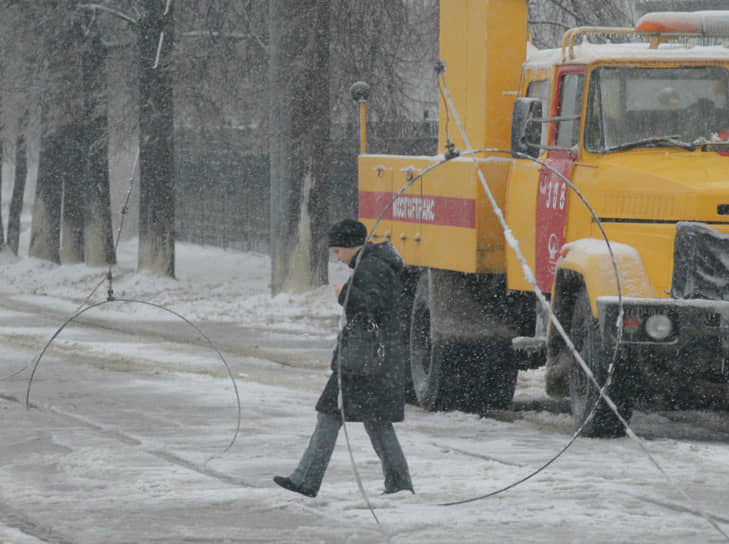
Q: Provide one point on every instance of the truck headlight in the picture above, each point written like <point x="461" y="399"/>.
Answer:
<point x="658" y="326"/>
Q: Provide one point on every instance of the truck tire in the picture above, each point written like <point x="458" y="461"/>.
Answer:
<point x="428" y="362"/>
<point x="409" y="281"/>
<point x="585" y="334"/>
<point x="488" y="377"/>
<point x="465" y="376"/>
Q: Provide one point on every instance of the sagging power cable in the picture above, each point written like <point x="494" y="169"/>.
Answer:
<point x="340" y="398"/>
<point x="611" y="366"/>
<point x="453" y="153"/>
<point x="356" y="266"/>
<point x="197" y="329"/>
<point x="86" y="305"/>
<point x="530" y="278"/>
<point x="513" y="243"/>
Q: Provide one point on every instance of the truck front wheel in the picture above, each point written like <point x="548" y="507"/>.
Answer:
<point x="585" y="333"/>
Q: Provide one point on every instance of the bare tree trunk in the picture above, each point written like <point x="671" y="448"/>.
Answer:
<point x="72" y="159"/>
<point x="16" y="200"/>
<point x="45" y="231"/>
<point x="58" y="201"/>
<point x="156" y="143"/>
<point x="2" y="233"/>
<point x="74" y="150"/>
<point x="98" y="235"/>
<point x="299" y="80"/>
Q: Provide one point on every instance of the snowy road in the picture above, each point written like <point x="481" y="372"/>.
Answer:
<point x="117" y="449"/>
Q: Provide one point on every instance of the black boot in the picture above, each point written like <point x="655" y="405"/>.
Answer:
<point x="286" y="483"/>
<point x="390" y="490"/>
<point x="395" y="484"/>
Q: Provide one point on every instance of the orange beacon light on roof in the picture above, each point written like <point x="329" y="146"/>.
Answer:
<point x="697" y="23"/>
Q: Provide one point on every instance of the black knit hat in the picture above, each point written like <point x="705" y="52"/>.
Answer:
<point x="347" y="233"/>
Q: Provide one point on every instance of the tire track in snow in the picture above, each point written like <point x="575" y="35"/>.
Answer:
<point x="129" y="440"/>
<point x="19" y="521"/>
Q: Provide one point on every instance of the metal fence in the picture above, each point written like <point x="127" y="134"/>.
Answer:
<point x="222" y="189"/>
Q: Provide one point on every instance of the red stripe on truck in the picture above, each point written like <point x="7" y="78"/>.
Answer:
<point x="431" y="210"/>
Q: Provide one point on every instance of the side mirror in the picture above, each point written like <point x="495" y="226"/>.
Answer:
<point x="526" y="126"/>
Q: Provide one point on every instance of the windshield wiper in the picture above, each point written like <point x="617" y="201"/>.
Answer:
<point x="654" y="141"/>
<point x="715" y="146"/>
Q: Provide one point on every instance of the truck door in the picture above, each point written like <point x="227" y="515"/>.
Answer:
<point x="553" y="191"/>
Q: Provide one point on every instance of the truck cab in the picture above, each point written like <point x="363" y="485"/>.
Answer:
<point x="639" y="131"/>
<point x="609" y="165"/>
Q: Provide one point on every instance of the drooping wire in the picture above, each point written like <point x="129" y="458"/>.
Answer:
<point x="108" y="277"/>
<point x="356" y="266"/>
<point x="452" y="154"/>
<point x="619" y="329"/>
<point x="13" y="373"/>
<point x="558" y="326"/>
<point x="123" y="214"/>
<point x="620" y="312"/>
<point x="340" y="398"/>
<point x="79" y="313"/>
<point x="619" y="325"/>
<point x="440" y="70"/>
<point x="86" y="305"/>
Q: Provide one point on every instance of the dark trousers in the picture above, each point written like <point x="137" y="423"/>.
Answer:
<point x="313" y="464"/>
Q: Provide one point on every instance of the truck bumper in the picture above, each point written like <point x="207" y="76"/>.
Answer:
<point x="697" y="343"/>
<point x="686" y="368"/>
<point x="663" y="322"/>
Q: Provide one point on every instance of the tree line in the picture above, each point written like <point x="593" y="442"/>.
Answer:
<point x="76" y="72"/>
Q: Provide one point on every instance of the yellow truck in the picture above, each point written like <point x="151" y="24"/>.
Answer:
<point x="635" y="121"/>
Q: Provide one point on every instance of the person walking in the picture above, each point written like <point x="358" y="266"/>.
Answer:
<point x="377" y="398"/>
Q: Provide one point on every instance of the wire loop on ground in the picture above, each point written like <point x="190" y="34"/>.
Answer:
<point x="79" y="313"/>
<point x="86" y="306"/>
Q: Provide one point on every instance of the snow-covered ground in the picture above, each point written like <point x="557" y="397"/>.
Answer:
<point x="598" y="491"/>
<point x="211" y="284"/>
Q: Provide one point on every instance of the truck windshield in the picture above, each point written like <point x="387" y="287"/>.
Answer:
<point x="677" y="106"/>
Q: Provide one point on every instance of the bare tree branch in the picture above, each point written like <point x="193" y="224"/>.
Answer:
<point x="250" y="28"/>
<point x="215" y="34"/>
<point x="113" y="11"/>
<point x="555" y="23"/>
<point x="565" y="9"/>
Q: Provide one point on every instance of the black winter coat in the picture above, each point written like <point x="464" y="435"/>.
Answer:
<point x="375" y="290"/>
